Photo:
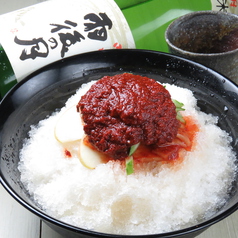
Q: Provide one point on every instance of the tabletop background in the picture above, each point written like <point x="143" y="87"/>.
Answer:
<point x="17" y="222"/>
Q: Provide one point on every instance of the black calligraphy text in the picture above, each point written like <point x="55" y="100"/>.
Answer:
<point x="65" y="35"/>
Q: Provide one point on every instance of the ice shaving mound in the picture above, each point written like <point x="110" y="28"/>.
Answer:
<point x="105" y="199"/>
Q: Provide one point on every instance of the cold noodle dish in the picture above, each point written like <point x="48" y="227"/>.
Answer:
<point x="128" y="155"/>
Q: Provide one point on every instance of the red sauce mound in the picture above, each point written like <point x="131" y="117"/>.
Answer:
<point x="123" y="110"/>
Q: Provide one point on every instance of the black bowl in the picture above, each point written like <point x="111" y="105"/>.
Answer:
<point x="47" y="89"/>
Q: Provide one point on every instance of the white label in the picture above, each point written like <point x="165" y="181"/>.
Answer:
<point x="225" y="6"/>
<point x="43" y="33"/>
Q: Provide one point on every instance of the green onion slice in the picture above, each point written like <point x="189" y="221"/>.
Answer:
<point x="133" y="149"/>
<point x="129" y="165"/>
<point x="130" y="161"/>
<point x="179" y="108"/>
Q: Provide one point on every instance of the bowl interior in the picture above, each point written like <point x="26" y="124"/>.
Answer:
<point x="47" y="90"/>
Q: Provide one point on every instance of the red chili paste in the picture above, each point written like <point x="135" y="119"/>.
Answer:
<point x="122" y="110"/>
<point x="67" y="153"/>
<point x="170" y="152"/>
<point x="166" y="153"/>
